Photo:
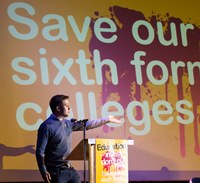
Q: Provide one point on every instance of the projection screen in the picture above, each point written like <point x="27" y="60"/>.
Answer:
<point x="137" y="60"/>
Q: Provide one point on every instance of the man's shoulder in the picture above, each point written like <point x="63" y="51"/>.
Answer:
<point x="48" y="122"/>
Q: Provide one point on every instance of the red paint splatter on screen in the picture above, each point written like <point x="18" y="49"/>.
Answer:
<point x="122" y="50"/>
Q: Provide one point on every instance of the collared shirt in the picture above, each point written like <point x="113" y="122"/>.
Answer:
<point x="54" y="140"/>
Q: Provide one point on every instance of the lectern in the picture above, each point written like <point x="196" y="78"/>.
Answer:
<point x="109" y="157"/>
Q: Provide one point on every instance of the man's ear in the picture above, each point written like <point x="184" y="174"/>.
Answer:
<point x="58" y="108"/>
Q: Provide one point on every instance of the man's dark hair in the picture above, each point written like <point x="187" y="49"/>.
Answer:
<point x="56" y="101"/>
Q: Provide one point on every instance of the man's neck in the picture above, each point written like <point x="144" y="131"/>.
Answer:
<point x="59" y="117"/>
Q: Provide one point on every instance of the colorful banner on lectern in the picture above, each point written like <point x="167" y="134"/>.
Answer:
<point x="111" y="161"/>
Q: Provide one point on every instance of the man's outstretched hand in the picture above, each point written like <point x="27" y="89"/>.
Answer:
<point x="113" y="119"/>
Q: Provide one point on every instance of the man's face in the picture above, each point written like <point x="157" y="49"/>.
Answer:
<point x="64" y="108"/>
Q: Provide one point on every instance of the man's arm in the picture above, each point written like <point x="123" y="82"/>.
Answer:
<point x="113" y="119"/>
<point x="90" y="124"/>
<point x="42" y="140"/>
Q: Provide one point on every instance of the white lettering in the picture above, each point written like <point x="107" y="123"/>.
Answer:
<point x="22" y="20"/>
<point x="98" y="30"/>
<point x="30" y="74"/>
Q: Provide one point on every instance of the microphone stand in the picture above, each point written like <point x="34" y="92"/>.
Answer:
<point x="84" y="148"/>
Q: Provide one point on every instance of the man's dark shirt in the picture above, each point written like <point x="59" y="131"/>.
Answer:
<point x="54" y="140"/>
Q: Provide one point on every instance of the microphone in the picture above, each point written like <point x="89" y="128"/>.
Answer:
<point x="83" y="121"/>
<point x="79" y="121"/>
<point x="73" y="120"/>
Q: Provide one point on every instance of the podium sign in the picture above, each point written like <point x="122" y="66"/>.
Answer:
<point x="111" y="161"/>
